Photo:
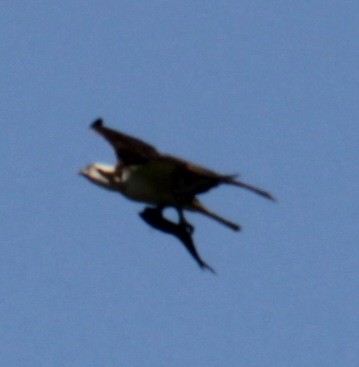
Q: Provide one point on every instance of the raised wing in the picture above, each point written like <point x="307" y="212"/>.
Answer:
<point x="128" y="149"/>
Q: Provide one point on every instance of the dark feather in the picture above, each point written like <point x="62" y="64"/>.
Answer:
<point x="128" y="149"/>
<point x="153" y="217"/>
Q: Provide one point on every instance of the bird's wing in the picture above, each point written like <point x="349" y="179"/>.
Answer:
<point x="189" y="179"/>
<point x="128" y="149"/>
<point x="153" y="217"/>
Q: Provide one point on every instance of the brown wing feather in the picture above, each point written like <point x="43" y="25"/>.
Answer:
<point x="190" y="179"/>
<point x="128" y="149"/>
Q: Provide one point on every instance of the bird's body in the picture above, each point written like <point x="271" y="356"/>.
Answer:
<point x="145" y="175"/>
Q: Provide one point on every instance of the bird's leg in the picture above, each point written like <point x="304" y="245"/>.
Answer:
<point x="183" y="221"/>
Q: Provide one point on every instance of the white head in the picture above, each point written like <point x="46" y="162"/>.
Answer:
<point x="101" y="175"/>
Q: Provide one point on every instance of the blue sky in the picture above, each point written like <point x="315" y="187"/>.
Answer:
<point x="267" y="89"/>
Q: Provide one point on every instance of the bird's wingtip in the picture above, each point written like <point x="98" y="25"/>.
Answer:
<point x="271" y="197"/>
<point x="97" y="123"/>
<point x="205" y="266"/>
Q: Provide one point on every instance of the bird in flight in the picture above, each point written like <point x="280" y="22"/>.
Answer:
<point x="146" y="175"/>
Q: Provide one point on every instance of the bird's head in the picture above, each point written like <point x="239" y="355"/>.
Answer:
<point x="101" y="175"/>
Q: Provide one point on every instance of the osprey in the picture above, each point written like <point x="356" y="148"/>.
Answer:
<point x="145" y="175"/>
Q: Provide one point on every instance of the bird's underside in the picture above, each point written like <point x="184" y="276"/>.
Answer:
<point x="143" y="174"/>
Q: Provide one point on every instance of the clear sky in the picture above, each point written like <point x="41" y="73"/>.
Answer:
<point x="267" y="89"/>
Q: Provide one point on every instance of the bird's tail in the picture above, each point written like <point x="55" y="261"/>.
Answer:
<point x="199" y="207"/>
